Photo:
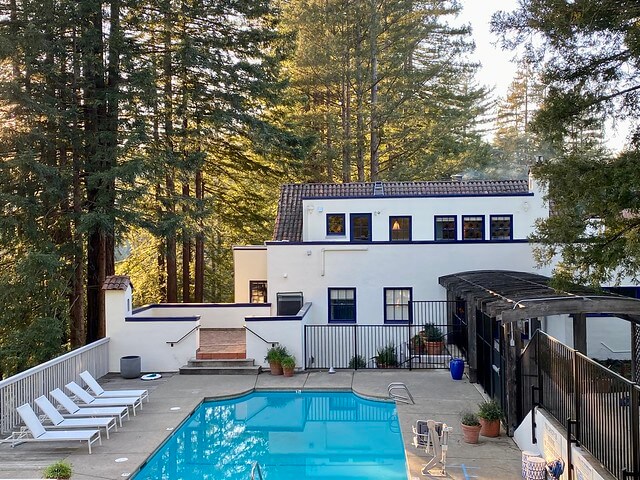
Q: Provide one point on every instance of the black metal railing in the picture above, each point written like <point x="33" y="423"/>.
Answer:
<point x="599" y="407"/>
<point x="436" y="332"/>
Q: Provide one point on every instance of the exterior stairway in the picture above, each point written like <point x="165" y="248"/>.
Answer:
<point x="222" y="351"/>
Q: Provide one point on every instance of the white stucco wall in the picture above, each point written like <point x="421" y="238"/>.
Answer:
<point x="552" y="444"/>
<point x="250" y="263"/>
<point x="289" y="333"/>
<point x="614" y="332"/>
<point x="559" y="327"/>
<point x="212" y="315"/>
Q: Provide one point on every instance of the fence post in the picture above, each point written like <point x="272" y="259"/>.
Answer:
<point x="635" y="429"/>
<point x="576" y="396"/>
<point x="355" y="346"/>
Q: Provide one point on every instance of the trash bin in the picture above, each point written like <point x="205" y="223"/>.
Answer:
<point x="130" y="366"/>
<point x="456" y="366"/>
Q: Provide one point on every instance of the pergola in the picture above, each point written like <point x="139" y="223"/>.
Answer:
<point x="509" y="297"/>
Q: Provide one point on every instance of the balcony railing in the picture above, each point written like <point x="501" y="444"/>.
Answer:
<point x="25" y="387"/>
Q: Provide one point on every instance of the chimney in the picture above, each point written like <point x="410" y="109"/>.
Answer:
<point x="456" y="177"/>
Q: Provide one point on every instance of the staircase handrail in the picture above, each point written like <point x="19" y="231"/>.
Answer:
<point x="172" y="343"/>
<point x="273" y="344"/>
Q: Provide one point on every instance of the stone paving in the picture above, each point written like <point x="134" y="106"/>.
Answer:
<point x="437" y="397"/>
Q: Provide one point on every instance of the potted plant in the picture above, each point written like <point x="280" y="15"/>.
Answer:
<point x="433" y="339"/>
<point x="419" y="343"/>
<point x="490" y="413"/>
<point x="274" y="357"/>
<point x="386" y="357"/>
<point x="357" y="361"/>
<point x="58" y="470"/>
<point x="288" y="365"/>
<point x="470" y="427"/>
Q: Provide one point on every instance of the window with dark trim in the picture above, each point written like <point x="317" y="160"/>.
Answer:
<point x="445" y="228"/>
<point x="501" y="227"/>
<point x="342" y="305"/>
<point x="257" y="291"/>
<point x="396" y="304"/>
<point x="360" y="227"/>
<point x="473" y="227"/>
<point x="335" y="224"/>
<point x="400" y="229"/>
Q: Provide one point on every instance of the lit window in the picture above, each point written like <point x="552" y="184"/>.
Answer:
<point x="501" y="227"/>
<point x="335" y="224"/>
<point x="445" y="228"/>
<point x="473" y="228"/>
<point x="360" y="227"/>
<point x="257" y="291"/>
<point x="342" y="305"/>
<point x="396" y="304"/>
<point x="400" y="229"/>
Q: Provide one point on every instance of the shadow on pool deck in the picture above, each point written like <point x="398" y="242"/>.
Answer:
<point x="437" y="397"/>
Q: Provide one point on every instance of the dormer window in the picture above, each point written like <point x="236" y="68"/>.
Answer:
<point x="335" y="224"/>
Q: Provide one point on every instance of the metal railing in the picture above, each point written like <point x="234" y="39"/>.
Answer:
<point x="599" y="408"/>
<point x="399" y="392"/>
<point x="26" y="386"/>
<point x="172" y="343"/>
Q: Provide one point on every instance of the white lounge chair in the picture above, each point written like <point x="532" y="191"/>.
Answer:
<point x="75" y="411"/>
<point x="59" y="421"/>
<point x="100" y="392"/>
<point x="35" y="432"/>
<point x="85" y="397"/>
<point x="437" y="445"/>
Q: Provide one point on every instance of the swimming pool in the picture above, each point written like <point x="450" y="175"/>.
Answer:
<point x="319" y="435"/>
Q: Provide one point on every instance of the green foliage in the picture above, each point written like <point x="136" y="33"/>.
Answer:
<point x="58" y="470"/>
<point x="490" y="410"/>
<point x="277" y="354"/>
<point x="357" y="361"/>
<point x="432" y="333"/>
<point x="470" y="419"/>
<point x="386" y="356"/>
<point x="288" y="362"/>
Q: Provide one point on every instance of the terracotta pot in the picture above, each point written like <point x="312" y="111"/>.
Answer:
<point x="489" y="428"/>
<point x="434" y="348"/>
<point x="470" y="433"/>
<point x="288" y="372"/>
<point x="275" y="368"/>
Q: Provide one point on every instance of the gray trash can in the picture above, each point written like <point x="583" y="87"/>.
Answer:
<point x="130" y="366"/>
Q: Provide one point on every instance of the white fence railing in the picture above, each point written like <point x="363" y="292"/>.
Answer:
<point x="25" y="387"/>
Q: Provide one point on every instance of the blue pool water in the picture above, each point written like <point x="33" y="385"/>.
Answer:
<point x="318" y="435"/>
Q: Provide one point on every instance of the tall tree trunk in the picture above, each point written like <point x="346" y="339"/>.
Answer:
<point x="346" y="117"/>
<point x="359" y="106"/>
<point x="199" y="260"/>
<point x="186" y="251"/>
<point x="373" y="61"/>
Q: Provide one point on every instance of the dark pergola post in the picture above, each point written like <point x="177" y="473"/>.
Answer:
<point x="513" y="347"/>
<point x="635" y="352"/>
<point x="580" y="332"/>
<point x="472" y="355"/>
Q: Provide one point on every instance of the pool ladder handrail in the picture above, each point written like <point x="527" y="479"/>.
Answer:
<point x="254" y="469"/>
<point x="404" y="396"/>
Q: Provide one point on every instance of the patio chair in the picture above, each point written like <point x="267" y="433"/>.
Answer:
<point x="100" y="392"/>
<point x="74" y="410"/>
<point x="85" y="397"/>
<point x="59" y="421"/>
<point x="437" y="445"/>
<point x="35" y="432"/>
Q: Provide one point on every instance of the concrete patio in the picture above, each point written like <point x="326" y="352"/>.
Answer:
<point x="437" y="397"/>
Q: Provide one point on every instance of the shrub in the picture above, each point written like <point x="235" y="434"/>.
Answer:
<point x="387" y="356"/>
<point x="288" y="361"/>
<point x="490" y="410"/>
<point x="357" y="361"/>
<point x="432" y="333"/>
<point x="60" y="469"/>
<point x="470" y="419"/>
<point x="276" y="354"/>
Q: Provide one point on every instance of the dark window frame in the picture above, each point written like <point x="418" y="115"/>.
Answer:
<point x="256" y="282"/>
<point x="330" y="311"/>
<point x="394" y="218"/>
<point x="409" y="320"/>
<point x="343" y="217"/>
<point x="352" y="230"/>
<point x="455" y="228"/>
<point x="496" y="216"/>
<point x="482" y="228"/>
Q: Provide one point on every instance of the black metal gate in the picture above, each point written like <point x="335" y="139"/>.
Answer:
<point x="435" y="333"/>
<point x="491" y="361"/>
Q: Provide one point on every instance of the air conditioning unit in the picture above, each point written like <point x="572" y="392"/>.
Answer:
<point x="289" y="303"/>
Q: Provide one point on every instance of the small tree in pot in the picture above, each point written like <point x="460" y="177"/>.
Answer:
<point x="470" y="427"/>
<point x="288" y="365"/>
<point x="386" y="357"/>
<point x="490" y="414"/>
<point x="274" y="357"/>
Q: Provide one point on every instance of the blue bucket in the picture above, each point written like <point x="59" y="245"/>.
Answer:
<point x="456" y="366"/>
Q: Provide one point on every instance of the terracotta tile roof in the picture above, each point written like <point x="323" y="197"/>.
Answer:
<point x="116" y="282"/>
<point x="289" y="220"/>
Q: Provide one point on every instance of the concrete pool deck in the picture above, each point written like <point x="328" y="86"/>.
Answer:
<point x="437" y="397"/>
